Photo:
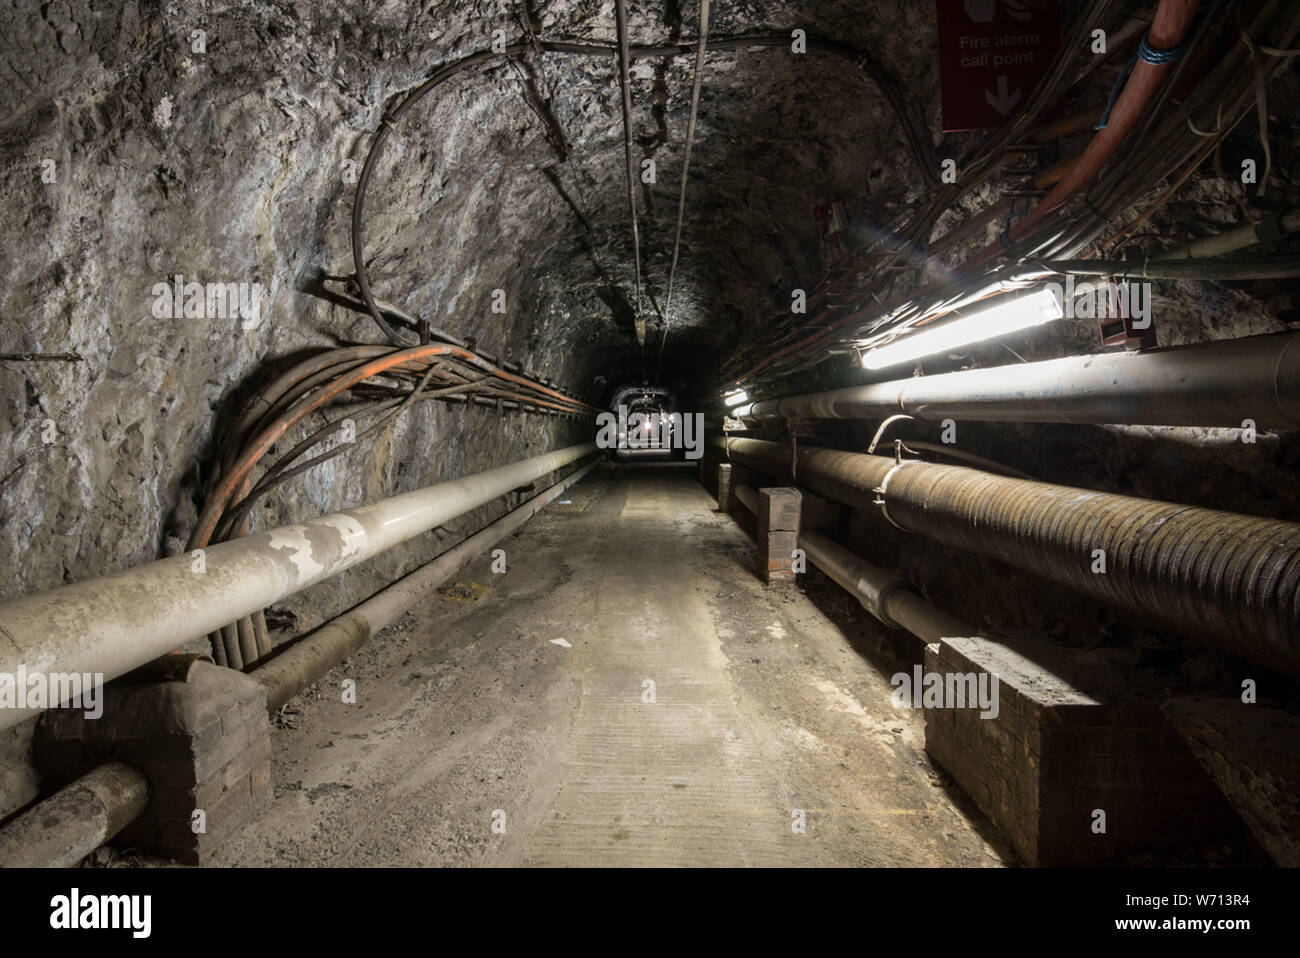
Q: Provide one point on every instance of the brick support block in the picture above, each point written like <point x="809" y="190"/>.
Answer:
<point x="203" y="745"/>
<point x="724" y="487"/>
<point x="1053" y="755"/>
<point x="779" y="511"/>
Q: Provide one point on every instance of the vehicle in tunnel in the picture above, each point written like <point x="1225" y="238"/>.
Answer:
<point x="651" y="434"/>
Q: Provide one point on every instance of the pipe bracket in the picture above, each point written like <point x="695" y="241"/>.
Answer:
<point x="882" y="490"/>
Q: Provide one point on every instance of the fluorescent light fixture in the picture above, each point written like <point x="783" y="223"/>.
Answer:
<point x="736" y="398"/>
<point x="1008" y="315"/>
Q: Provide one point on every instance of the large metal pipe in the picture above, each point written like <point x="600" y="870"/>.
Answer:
<point x="113" y="624"/>
<point x="1208" y="384"/>
<point x="1232" y="578"/>
<point x="888" y="597"/>
<point x="302" y="663"/>
<point x="72" y="823"/>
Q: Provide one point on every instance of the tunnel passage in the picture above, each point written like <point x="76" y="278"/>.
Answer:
<point x="325" y="314"/>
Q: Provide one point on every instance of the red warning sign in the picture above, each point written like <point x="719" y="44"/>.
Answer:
<point x="992" y="53"/>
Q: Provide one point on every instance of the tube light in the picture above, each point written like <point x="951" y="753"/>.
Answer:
<point x="1009" y="316"/>
<point x="736" y="398"/>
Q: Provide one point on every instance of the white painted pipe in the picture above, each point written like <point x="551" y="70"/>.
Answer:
<point x="116" y="623"/>
<point x="308" y="659"/>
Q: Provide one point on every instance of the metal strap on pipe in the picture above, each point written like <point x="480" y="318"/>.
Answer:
<point x="113" y="624"/>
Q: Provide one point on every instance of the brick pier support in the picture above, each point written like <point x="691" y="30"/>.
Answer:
<point x="778" y="533"/>
<point x="202" y="741"/>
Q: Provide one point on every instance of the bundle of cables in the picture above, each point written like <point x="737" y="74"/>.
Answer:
<point x="1151" y="133"/>
<point x="378" y="384"/>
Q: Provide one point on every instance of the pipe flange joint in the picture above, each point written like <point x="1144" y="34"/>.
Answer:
<point x="881" y="610"/>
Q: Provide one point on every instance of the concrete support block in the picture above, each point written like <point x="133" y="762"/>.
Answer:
<point x="724" y="487"/>
<point x="1052" y="757"/>
<point x="203" y="744"/>
<point x="779" y="512"/>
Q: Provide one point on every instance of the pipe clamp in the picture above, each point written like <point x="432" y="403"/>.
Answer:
<point x="882" y="489"/>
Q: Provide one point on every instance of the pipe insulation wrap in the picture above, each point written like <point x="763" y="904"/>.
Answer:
<point x="1229" y="577"/>
<point x="113" y="624"/>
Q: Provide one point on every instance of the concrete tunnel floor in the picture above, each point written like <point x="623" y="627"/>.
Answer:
<point x="469" y="707"/>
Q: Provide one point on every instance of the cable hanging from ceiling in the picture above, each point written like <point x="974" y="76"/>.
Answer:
<point x="553" y="130"/>
<point x="696" y="82"/>
<point x="625" y="78"/>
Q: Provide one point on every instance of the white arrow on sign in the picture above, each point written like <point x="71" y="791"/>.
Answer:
<point x="1004" y="101"/>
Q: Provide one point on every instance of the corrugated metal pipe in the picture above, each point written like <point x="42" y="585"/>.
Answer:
<point x="888" y="597"/>
<point x="113" y="624"/>
<point x="1232" y="578"/>
<point x="1207" y="384"/>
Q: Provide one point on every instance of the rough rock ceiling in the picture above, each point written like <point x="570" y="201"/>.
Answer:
<point x="521" y="186"/>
